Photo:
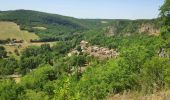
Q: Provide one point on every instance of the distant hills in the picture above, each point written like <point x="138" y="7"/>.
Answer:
<point x="57" y="27"/>
<point x="28" y="19"/>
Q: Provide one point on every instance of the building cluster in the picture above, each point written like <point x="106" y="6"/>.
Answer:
<point x="96" y="51"/>
<point x="101" y="52"/>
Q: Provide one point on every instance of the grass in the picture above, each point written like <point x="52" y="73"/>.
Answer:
<point x="12" y="30"/>
<point x="40" y="28"/>
<point x="22" y="47"/>
<point x="162" y="95"/>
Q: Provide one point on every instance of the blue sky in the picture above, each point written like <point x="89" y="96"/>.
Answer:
<point x="108" y="9"/>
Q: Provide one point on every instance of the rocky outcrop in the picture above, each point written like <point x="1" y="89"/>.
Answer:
<point x="163" y="53"/>
<point x="110" y="31"/>
<point x="149" y="29"/>
<point x="130" y="27"/>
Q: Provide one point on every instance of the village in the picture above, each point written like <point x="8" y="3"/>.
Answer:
<point x="95" y="51"/>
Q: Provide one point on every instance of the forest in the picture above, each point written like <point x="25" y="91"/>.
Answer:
<point x="48" y="72"/>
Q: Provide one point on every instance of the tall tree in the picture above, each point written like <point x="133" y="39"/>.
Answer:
<point x="165" y="12"/>
<point x="3" y="53"/>
<point x="165" y="15"/>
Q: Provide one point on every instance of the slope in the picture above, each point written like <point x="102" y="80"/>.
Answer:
<point x="11" y="30"/>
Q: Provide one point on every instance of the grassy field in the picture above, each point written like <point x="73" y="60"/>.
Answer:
<point x="12" y="30"/>
<point x="11" y="49"/>
<point x="40" y="28"/>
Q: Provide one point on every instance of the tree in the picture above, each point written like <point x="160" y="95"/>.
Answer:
<point x="8" y="66"/>
<point x="16" y="52"/>
<point x="155" y="75"/>
<point x="9" y="90"/>
<point x="165" y="12"/>
<point x="133" y="58"/>
<point x="27" y="64"/>
<point x="3" y="53"/>
<point x="78" y="62"/>
<point x="45" y="48"/>
<point x="62" y="47"/>
<point x="33" y="95"/>
<point x="39" y="77"/>
<point x="30" y="51"/>
<point x="165" y="15"/>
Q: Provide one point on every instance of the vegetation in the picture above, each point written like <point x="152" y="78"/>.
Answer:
<point x="128" y="27"/>
<point x="14" y="32"/>
<point x="50" y="27"/>
<point x="56" y="27"/>
<point x="48" y="72"/>
<point x="3" y="53"/>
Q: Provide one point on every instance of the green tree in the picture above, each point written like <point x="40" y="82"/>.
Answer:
<point x="62" y="47"/>
<point x="9" y="90"/>
<point x="3" y="53"/>
<point x="33" y="95"/>
<point x="28" y="64"/>
<point x="165" y="15"/>
<point x="16" y="52"/>
<point x="165" y="12"/>
<point x="155" y="75"/>
<point x="8" y="66"/>
<point x="45" y="48"/>
<point x="38" y="78"/>
<point x="30" y="51"/>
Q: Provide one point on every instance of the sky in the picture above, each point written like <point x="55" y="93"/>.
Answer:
<point x="103" y="9"/>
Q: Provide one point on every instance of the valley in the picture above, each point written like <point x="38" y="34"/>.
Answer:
<point x="46" y="56"/>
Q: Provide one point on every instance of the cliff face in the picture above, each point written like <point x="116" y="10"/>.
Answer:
<point x="110" y="31"/>
<point x="127" y="28"/>
<point x="149" y="29"/>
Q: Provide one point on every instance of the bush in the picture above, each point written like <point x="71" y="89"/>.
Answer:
<point x="155" y="75"/>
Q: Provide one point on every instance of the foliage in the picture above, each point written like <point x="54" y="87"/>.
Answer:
<point x="48" y="73"/>
<point x="38" y="78"/>
<point x="165" y="16"/>
<point x="8" y="66"/>
<point x="3" y="53"/>
<point x="57" y="27"/>
<point x="9" y="90"/>
<point x="155" y="75"/>
<point x="33" y="95"/>
<point x="164" y="12"/>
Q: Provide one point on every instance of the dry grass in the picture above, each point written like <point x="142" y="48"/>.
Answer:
<point x="10" y="49"/>
<point x="164" y="95"/>
<point x="40" y="28"/>
<point x="17" y="80"/>
<point x="12" y="30"/>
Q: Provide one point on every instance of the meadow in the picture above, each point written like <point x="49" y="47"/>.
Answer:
<point x="12" y="30"/>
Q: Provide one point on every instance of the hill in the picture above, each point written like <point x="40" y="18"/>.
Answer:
<point x="12" y="30"/>
<point x="53" y="27"/>
<point x="134" y="64"/>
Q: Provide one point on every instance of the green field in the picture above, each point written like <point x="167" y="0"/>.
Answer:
<point x="12" y="30"/>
